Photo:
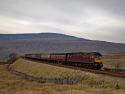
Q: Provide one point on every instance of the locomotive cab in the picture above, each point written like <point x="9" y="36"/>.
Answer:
<point x="98" y="60"/>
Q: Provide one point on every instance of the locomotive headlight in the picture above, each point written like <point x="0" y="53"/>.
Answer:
<point x="98" y="60"/>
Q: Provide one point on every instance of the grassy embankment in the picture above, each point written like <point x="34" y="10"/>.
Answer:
<point x="90" y="84"/>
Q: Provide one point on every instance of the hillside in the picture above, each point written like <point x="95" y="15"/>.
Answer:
<point x="53" y="42"/>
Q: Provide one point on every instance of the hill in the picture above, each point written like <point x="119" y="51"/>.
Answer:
<point x="37" y="36"/>
<point x="53" y="42"/>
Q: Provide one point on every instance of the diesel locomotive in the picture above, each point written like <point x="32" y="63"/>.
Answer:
<point x="92" y="60"/>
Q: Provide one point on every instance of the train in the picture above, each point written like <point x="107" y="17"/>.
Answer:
<point x="91" y="60"/>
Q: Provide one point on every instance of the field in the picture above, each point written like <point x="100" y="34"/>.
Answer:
<point x="114" y="60"/>
<point x="90" y="84"/>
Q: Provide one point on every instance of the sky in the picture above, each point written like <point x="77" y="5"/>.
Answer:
<point x="90" y="19"/>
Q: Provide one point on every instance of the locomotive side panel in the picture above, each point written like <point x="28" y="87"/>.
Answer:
<point x="81" y="58"/>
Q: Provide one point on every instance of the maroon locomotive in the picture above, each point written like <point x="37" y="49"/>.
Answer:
<point x="91" y="60"/>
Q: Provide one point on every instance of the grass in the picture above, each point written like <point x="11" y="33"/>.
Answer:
<point x="45" y="70"/>
<point x="49" y="71"/>
<point x="114" y="60"/>
<point x="113" y="63"/>
<point x="11" y="84"/>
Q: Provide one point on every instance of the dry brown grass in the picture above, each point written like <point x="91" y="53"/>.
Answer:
<point x="44" y="70"/>
<point x="11" y="84"/>
<point x="113" y="63"/>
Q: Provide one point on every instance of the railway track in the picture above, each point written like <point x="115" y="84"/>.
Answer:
<point x="104" y="72"/>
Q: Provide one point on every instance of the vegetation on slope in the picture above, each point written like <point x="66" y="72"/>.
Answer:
<point x="45" y="70"/>
<point x="11" y="84"/>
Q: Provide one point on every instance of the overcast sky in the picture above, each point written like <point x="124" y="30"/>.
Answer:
<point x="91" y="19"/>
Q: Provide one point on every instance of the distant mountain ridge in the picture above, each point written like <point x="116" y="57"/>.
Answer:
<point x="53" y="42"/>
<point x="51" y="36"/>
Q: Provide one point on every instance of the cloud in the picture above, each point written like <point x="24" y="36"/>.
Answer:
<point x="92" y="19"/>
